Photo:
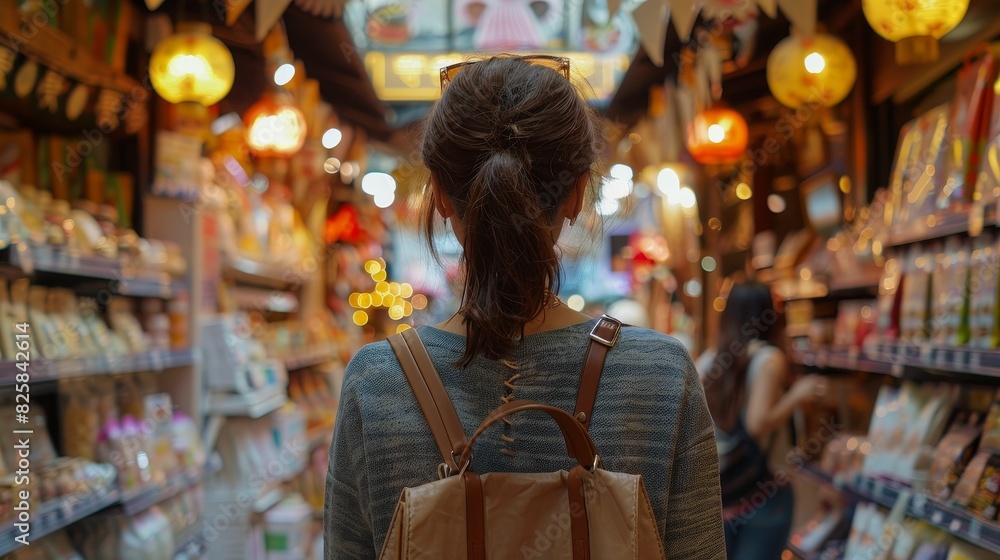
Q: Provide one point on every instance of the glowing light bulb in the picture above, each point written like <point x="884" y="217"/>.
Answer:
<point x="716" y="134"/>
<point x="284" y="74"/>
<point x="331" y="138"/>
<point x="669" y="183"/>
<point x="815" y="63"/>
<point x="687" y="198"/>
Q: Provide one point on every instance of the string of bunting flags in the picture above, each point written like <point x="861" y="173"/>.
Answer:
<point x="69" y="99"/>
<point x="652" y="17"/>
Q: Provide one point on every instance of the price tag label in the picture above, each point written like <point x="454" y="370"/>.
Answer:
<point x="955" y="525"/>
<point x="975" y="360"/>
<point x="937" y="518"/>
<point x="944" y="358"/>
<point x="897" y="370"/>
<point x="879" y="489"/>
<point x="919" y="505"/>
<point x="926" y="353"/>
<point x="852" y="357"/>
<point x="975" y="530"/>
<point x="156" y="360"/>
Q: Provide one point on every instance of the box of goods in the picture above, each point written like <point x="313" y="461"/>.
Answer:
<point x="978" y="489"/>
<point x="950" y="313"/>
<point x="921" y="153"/>
<point x="951" y="456"/>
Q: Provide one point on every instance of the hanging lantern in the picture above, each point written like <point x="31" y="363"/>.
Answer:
<point x="192" y="66"/>
<point x="717" y="135"/>
<point x="811" y="70"/>
<point x="915" y="25"/>
<point x="275" y="127"/>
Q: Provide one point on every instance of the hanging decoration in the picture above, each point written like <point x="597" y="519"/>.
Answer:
<point x="275" y="128"/>
<point x="234" y="9"/>
<point x="651" y="21"/>
<point x="915" y="26"/>
<point x="109" y="105"/>
<point x="802" y="14"/>
<point x="811" y="70"/>
<point x="7" y="58"/>
<point x="25" y="79"/>
<point x="769" y="7"/>
<point x="684" y="13"/>
<point x="266" y="15"/>
<point x="192" y="66"/>
<point x="718" y="135"/>
<point x="49" y="90"/>
<point x="77" y="100"/>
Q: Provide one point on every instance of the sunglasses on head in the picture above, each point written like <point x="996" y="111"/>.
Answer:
<point x="558" y="63"/>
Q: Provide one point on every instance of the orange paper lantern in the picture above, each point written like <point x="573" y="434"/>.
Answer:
<point x="275" y="127"/>
<point x="718" y="135"/>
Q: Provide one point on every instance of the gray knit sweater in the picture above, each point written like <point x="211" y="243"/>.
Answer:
<point x="650" y="418"/>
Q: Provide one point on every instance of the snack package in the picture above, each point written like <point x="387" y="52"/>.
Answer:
<point x="985" y="498"/>
<point x="922" y="430"/>
<point x="983" y="285"/>
<point x="967" y="132"/>
<point x="913" y="318"/>
<point x="928" y="134"/>
<point x="951" y="294"/>
<point x="965" y="551"/>
<point x="951" y="457"/>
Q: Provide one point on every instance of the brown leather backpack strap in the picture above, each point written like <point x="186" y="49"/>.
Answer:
<point x="431" y="395"/>
<point x="579" y="523"/>
<point x="475" y="516"/>
<point x="603" y="338"/>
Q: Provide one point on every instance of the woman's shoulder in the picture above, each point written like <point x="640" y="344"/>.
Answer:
<point x="369" y="361"/>
<point x="648" y="348"/>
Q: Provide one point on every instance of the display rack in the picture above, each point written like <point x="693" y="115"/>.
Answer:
<point x="252" y="273"/>
<point x="58" y="514"/>
<point x="309" y="358"/>
<point x="141" y="501"/>
<point x="250" y="405"/>
<point x="86" y="273"/>
<point x="900" y="360"/>
<point x="51" y="370"/>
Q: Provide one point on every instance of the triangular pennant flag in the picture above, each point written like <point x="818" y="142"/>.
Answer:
<point x="267" y="14"/>
<point x="769" y="7"/>
<point x="613" y="6"/>
<point x="153" y="4"/>
<point x="651" y="20"/>
<point x="684" y="13"/>
<point x="802" y="14"/>
<point x="234" y="9"/>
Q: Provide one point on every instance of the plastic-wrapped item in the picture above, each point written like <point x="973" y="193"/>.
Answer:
<point x="952" y="455"/>
<point x="984" y="282"/>
<point x="186" y="442"/>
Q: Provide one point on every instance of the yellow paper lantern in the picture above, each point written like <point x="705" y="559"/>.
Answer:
<point x="718" y="135"/>
<point x="192" y="66"/>
<point x="275" y="127"/>
<point x="811" y="70"/>
<point x="914" y="25"/>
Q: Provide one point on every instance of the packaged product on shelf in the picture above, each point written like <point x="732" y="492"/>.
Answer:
<point x="865" y="530"/>
<point x="8" y="340"/>
<point x="968" y="128"/>
<point x="913" y="308"/>
<point x="145" y="536"/>
<point x="159" y="415"/>
<point x="178" y="315"/>
<point x="922" y="431"/>
<point x="156" y="323"/>
<point x="46" y="335"/>
<point x="42" y="451"/>
<point x="984" y="282"/>
<point x="126" y="325"/>
<point x="951" y="296"/>
<point x="885" y="432"/>
<point x="56" y="546"/>
<point x="953" y="453"/>
<point x="926" y="155"/>
<point x="287" y="529"/>
<point x="186" y="442"/>
<point x="108" y="342"/>
<point x="80" y="418"/>
<point x="979" y="484"/>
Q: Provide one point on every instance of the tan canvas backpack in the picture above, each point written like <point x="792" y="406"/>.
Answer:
<point x="586" y="513"/>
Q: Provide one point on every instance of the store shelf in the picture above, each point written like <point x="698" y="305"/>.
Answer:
<point x="250" y="405"/>
<point x="258" y="299"/>
<point x="146" y="499"/>
<point x="311" y="357"/>
<point x="154" y="360"/>
<point x="252" y="273"/>
<point x="955" y="520"/>
<point x="55" y="515"/>
<point x="839" y="359"/>
<point x="116" y="276"/>
<point x="188" y="544"/>
<point x="268" y="499"/>
<point x="935" y="226"/>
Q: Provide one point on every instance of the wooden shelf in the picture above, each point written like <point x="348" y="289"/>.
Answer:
<point x="154" y="360"/>
<point x="55" y="515"/>
<point x="58" y="51"/>
<point x="250" y="405"/>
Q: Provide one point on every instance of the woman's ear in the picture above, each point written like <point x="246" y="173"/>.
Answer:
<point x="441" y="202"/>
<point x="574" y="204"/>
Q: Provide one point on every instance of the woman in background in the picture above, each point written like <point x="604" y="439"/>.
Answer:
<point x="746" y="385"/>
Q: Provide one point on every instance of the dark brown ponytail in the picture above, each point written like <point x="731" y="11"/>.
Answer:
<point x="507" y="144"/>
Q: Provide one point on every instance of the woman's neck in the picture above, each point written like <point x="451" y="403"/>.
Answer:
<point x="550" y="319"/>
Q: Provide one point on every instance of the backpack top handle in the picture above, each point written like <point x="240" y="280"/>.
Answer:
<point x="578" y="442"/>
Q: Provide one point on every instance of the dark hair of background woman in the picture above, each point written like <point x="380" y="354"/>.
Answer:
<point x="507" y="144"/>
<point x="749" y="315"/>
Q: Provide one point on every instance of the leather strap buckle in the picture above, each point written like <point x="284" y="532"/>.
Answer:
<point x="606" y="331"/>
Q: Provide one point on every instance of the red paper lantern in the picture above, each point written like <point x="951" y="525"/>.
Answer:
<point x="718" y="135"/>
<point x="275" y="127"/>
